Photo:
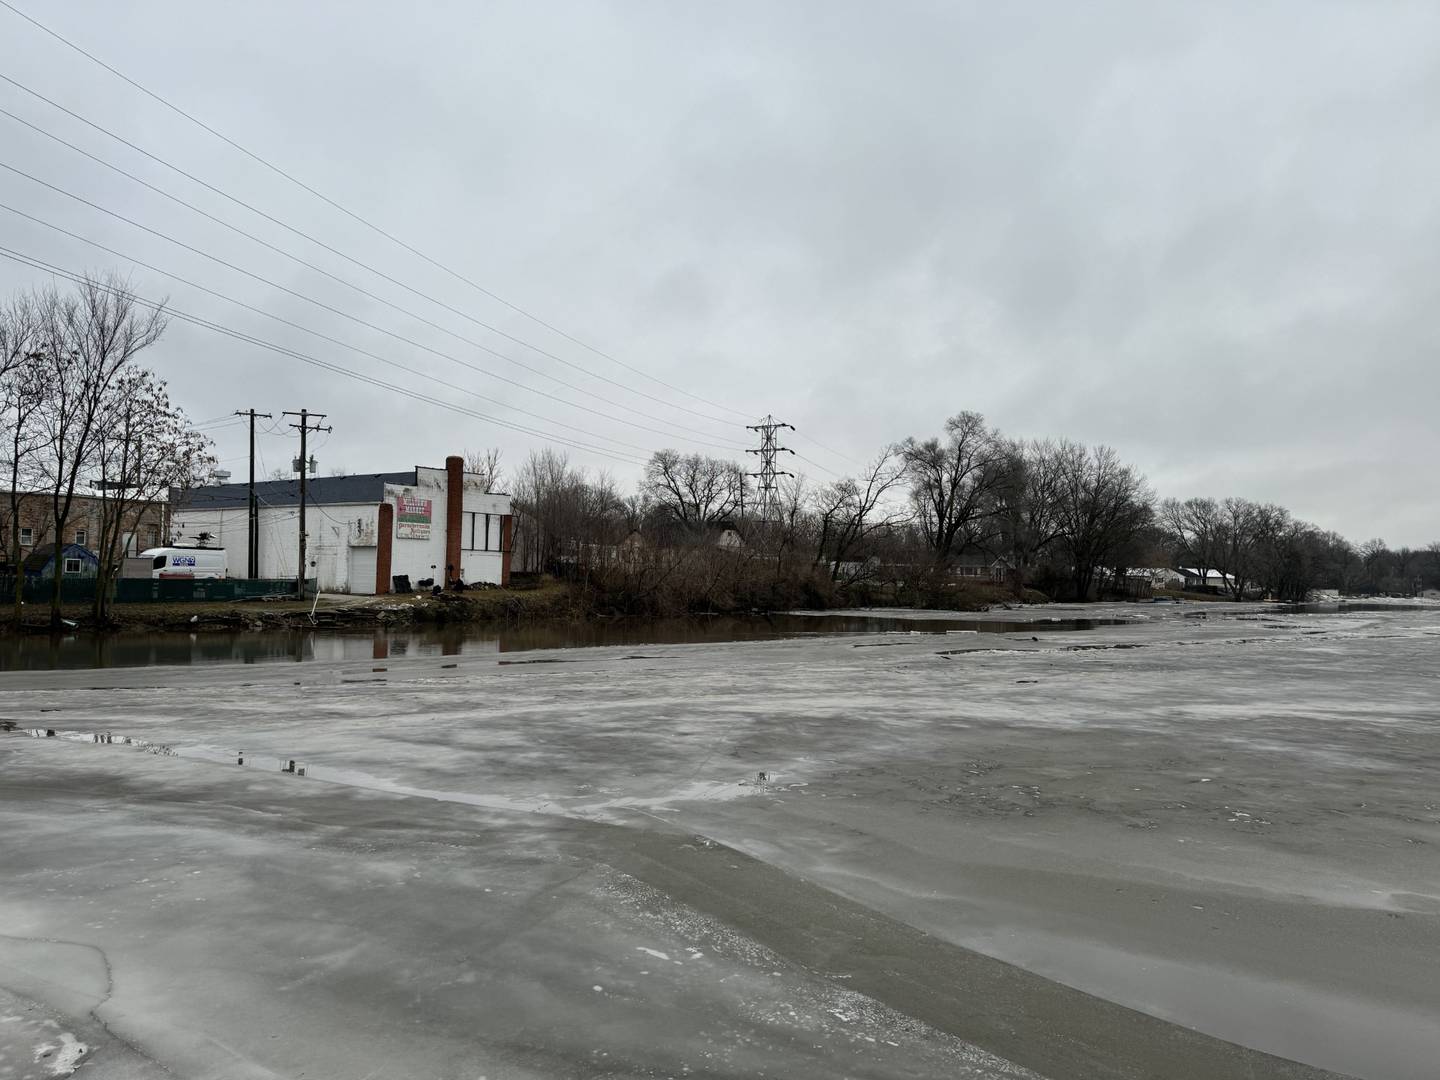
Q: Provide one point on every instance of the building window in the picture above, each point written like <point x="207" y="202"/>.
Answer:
<point x="27" y="537"/>
<point x="480" y="532"/>
<point x="72" y="566"/>
<point x="81" y="536"/>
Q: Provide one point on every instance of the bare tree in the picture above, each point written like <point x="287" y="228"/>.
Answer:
<point x="853" y="509"/>
<point x="955" y="484"/>
<point x="784" y="534"/>
<point x="1242" y="527"/>
<point x="693" y="490"/>
<point x="1375" y="558"/>
<point x="1194" y="528"/>
<point x="1029" y="502"/>
<point x="1430" y="566"/>
<point x="87" y="339"/>
<point x="542" y="489"/>
<point x="22" y="390"/>
<point x="485" y="463"/>
<point x="144" y="447"/>
<point x="1103" y="504"/>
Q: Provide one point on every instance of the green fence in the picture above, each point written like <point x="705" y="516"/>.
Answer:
<point x="179" y="590"/>
<point x="73" y="590"/>
<point x="151" y="591"/>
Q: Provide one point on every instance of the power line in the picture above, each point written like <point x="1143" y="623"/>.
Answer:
<point x="829" y="450"/>
<point x="327" y="307"/>
<point x="44" y="267"/>
<point x="375" y="228"/>
<point x="817" y="464"/>
<point x="343" y="344"/>
<point x="334" y="277"/>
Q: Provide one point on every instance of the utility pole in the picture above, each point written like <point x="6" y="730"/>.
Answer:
<point x="768" y="474"/>
<point x="305" y="427"/>
<point x="252" y="563"/>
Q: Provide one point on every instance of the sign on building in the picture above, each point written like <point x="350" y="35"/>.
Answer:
<point x="412" y="518"/>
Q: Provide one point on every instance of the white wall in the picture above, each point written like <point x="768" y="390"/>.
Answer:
<point x="426" y="558"/>
<point x="227" y="527"/>
<point x="333" y="530"/>
<point x="329" y="529"/>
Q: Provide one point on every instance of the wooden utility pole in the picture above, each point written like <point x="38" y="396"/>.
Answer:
<point x="252" y="562"/>
<point x="305" y="427"/>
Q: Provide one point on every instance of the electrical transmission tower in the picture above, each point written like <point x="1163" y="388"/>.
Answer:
<point x="768" y="474"/>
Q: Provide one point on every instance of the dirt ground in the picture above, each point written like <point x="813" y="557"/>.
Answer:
<point x="1198" y="845"/>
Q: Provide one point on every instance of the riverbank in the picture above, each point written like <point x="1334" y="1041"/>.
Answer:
<point x="333" y="611"/>
<point x="544" y="600"/>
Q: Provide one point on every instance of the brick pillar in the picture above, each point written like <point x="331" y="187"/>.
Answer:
<point x="454" y="514"/>
<point x="384" y="538"/>
<point x="506" y="528"/>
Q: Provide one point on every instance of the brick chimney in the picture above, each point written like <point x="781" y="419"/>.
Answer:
<point x="384" y="540"/>
<point x="454" y="513"/>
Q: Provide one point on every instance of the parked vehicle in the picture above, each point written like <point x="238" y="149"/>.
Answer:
<point x="186" y="562"/>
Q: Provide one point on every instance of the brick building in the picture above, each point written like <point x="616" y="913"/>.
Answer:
<point x="144" y="525"/>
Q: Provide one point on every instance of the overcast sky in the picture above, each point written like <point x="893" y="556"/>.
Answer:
<point x="1205" y="234"/>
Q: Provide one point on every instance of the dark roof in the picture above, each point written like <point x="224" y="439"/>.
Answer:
<point x="321" y="490"/>
<point x="44" y="555"/>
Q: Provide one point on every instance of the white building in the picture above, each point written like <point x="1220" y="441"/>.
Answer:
<point x="360" y="530"/>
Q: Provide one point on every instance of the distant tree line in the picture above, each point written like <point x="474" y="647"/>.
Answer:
<point x="926" y="517"/>
<point x="82" y="420"/>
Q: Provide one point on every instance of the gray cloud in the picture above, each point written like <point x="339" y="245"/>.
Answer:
<point x="1203" y="235"/>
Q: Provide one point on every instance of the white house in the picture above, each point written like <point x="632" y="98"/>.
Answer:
<point x="1210" y="581"/>
<point x="360" y="530"/>
<point x="1162" y="577"/>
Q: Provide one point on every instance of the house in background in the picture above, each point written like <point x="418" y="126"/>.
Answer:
<point x="75" y="562"/>
<point x="976" y="567"/>
<point x="724" y="534"/>
<point x="144" y="525"/>
<point x="1162" y="577"/>
<point x="1211" y="581"/>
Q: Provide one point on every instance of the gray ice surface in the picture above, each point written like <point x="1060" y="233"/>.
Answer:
<point x="1168" y="848"/>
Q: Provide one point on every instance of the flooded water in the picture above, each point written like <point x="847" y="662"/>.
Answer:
<point x="39" y="652"/>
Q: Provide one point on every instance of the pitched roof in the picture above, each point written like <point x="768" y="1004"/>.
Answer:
<point x="320" y="491"/>
<point x="44" y="555"/>
<point x="1210" y="575"/>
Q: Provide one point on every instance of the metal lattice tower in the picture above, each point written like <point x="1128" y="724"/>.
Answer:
<point x="768" y="474"/>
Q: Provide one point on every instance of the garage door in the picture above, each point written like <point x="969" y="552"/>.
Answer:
<point x="362" y="570"/>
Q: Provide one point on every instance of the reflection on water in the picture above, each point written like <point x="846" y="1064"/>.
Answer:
<point x="38" y="652"/>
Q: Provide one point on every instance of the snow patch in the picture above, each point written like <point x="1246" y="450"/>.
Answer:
<point x="62" y="1058"/>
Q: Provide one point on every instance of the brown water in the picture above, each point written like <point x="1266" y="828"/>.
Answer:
<point x="38" y="652"/>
